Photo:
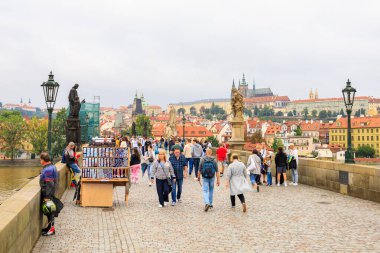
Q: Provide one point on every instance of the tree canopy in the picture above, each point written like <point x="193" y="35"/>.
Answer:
<point x="12" y="132"/>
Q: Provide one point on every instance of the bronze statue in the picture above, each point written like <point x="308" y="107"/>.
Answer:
<point x="237" y="103"/>
<point x="74" y="101"/>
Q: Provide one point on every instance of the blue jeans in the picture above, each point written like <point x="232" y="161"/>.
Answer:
<point x="269" y="178"/>
<point x="253" y="178"/>
<point x="190" y="163"/>
<point x="177" y="189"/>
<point x="145" y="167"/>
<point x="208" y="190"/>
<point x="74" y="167"/>
<point x="196" y="161"/>
<point x="295" y="176"/>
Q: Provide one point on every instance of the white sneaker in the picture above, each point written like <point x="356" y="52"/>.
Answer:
<point x="160" y="205"/>
<point x="292" y="183"/>
<point x="195" y="178"/>
<point x="278" y="184"/>
<point x="173" y="203"/>
<point x="295" y="184"/>
<point x="285" y="184"/>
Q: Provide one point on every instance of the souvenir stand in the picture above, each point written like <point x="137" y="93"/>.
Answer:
<point x="104" y="167"/>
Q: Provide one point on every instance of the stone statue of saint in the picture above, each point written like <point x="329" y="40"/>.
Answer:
<point x="74" y="102"/>
<point x="171" y="129"/>
<point x="237" y="103"/>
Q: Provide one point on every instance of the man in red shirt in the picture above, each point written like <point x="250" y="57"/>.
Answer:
<point x="221" y="154"/>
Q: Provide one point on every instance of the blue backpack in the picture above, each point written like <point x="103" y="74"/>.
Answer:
<point x="208" y="169"/>
<point x="63" y="157"/>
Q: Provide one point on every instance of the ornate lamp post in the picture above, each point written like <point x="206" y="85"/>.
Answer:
<point x="349" y="97"/>
<point x="183" y="126"/>
<point x="50" y="88"/>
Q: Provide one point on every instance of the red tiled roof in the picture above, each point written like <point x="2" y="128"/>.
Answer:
<point x="327" y="99"/>
<point x="361" y="122"/>
<point x="273" y="129"/>
<point x="310" y="126"/>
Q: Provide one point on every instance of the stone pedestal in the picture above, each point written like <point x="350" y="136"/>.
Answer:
<point x="237" y="140"/>
<point x="73" y="131"/>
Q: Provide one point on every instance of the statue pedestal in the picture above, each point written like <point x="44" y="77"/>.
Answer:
<point x="73" y="131"/>
<point x="237" y="139"/>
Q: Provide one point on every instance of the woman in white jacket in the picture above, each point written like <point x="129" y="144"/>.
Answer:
<point x="254" y="168"/>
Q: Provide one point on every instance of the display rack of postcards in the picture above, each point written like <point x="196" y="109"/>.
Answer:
<point x="103" y="168"/>
<point x="105" y="162"/>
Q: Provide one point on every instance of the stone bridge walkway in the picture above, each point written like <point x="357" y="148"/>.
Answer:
<point x="279" y="219"/>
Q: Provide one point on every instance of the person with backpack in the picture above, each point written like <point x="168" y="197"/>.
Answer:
<point x="69" y="155"/>
<point x="197" y="154"/>
<point x="254" y="168"/>
<point x="178" y="161"/>
<point x="293" y="163"/>
<point x="48" y="182"/>
<point x="208" y="170"/>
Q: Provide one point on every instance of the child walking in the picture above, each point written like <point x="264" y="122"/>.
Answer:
<point x="135" y="165"/>
<point x="267" y="164"/>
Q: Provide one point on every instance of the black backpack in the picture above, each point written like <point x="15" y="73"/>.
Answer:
<point x="208" y="169"/>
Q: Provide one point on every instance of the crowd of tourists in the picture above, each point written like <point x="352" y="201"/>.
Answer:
<point x="168" y="162"/>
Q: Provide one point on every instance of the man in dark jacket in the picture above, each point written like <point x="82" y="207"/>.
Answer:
<point x="179" y="164"/>
<point x="281" y="161"/>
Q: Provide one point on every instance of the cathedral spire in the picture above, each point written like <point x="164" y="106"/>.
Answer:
<point x="243" y="80"/>
<point x="233" y="83"/>
<point x="136" y="94"/>
<point x="21" y="102"/>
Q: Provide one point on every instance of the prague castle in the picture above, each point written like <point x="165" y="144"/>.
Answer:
<point x="250" y="93"/>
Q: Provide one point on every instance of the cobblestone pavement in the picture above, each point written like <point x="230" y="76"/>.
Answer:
<point x="279" y="219"/>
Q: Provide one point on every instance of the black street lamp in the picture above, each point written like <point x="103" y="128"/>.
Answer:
<point x="183" y="126"/>
<point x="349" y="97"/>
<point x="50" y="88"/>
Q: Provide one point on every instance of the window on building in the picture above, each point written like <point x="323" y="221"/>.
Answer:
<point x="367" y="130"/>
<point x="367" y="138"/>
<point x="371" y="138"/>
<point x="371" y="130"/>
<point x="362" y="138"/>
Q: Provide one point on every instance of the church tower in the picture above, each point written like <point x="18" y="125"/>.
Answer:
<point x="316" y="94"/>
<point x="311" y="94"/>
<point x="243" y="87"/>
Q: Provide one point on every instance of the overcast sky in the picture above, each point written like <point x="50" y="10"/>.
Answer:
<point x="175" y="51"/>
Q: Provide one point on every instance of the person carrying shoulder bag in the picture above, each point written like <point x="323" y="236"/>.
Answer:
<point x="163" y="171"/>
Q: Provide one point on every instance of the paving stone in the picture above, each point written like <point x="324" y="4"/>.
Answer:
<point x="279" y="219"/>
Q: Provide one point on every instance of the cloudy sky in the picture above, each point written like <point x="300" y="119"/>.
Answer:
<point x="176" y="50"/>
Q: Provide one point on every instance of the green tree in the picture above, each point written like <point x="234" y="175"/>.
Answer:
<point x="193" y="111"/>
<point x="140" y="122"/>
<point x="341" y="112"/>
<point x="365" y="151"/>
<point x="58" y="135"/>
<point x="298" y="131"/>
<point x="256" y="137"/>
<point x="256" y="111"/>
<point x="277" y="143"/>
<point x="208" y="117"/>
<point x="294" y="112"/>
<point x="213" y="140"/>
<point x="279" y="114"/>
<point x="181" y="111"/>
<point x="305" y="112"/>
<point x="12" y="132"/>
<point x="290" y="114"/>
<point x="314" y="113"/>
<point x="329" y="114"/>
<point x="322" y="114"/>
<point x="247" y="112"/>
<point x="37" y="134"/>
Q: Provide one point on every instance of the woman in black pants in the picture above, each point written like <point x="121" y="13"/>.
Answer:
<point x="162" y="169"/>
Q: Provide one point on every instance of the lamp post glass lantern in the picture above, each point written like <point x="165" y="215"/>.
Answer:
<point x="50" y="88"/>
<point x="349" y="98"/>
